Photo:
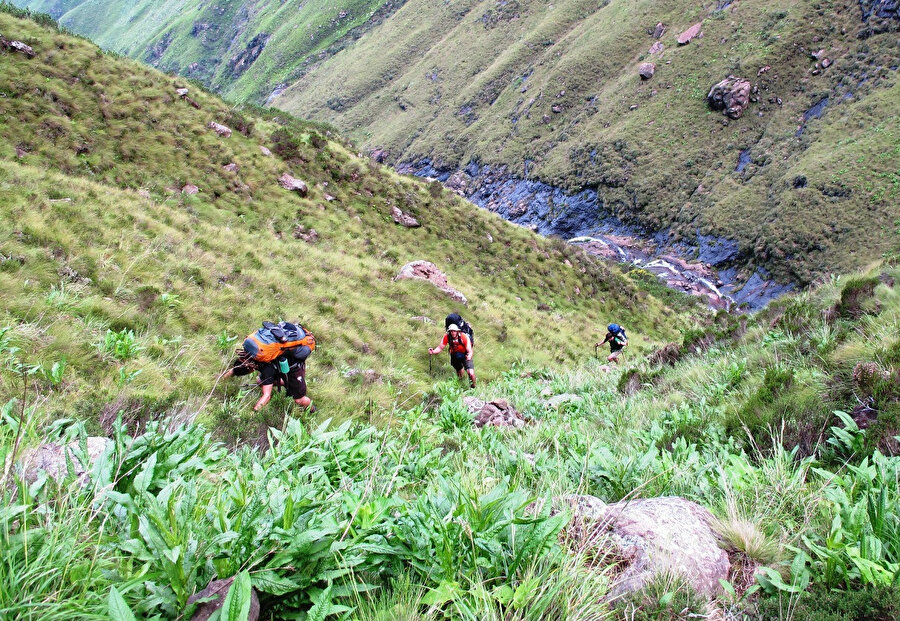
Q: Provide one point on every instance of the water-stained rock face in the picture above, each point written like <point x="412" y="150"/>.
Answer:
<point x="884" y="9"/>
<point x="731" y="96"/>
<point x="653" y="536"/>
<point x="242" y="61"/>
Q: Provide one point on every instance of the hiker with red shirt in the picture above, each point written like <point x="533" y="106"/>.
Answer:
<point x="460" y="352"/>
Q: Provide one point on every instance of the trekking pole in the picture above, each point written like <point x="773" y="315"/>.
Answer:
<point x="430" y="366"/>
<point x="596" y="351"/>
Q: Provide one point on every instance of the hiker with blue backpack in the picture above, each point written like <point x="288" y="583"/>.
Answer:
<point x="460" y="338"/>
<point x="279" y="352"/>
<point x="617" y="340"/>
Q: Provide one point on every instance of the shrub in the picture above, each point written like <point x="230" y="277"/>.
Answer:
<point x="854" y="295"/>
<point x="121" y="345"/>
<point x="823" y="604"/>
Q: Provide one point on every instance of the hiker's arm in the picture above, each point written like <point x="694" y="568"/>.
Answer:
<point x="469" y="350"/>
<point x="604" y="341"/>
<point x="264" y="398"/>
<point x="436" y="350"/>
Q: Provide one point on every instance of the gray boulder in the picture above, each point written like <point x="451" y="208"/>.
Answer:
<point x="731" y="96"/>
<point x="427" y="271"/>
<point x="652" y="536"/>
<point x="53" y="459"/>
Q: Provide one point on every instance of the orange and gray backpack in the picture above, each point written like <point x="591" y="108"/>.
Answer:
<point x="272" y="340"/>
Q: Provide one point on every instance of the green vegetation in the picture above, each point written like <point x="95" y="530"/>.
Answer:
<point x="124" y="295"/>
<point x="145" y="291"/>
<point x="554" y="86"/>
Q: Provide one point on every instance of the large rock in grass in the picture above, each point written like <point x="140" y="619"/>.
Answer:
<point x="218" y="589"/>
<point x="646" y="70"/>
<point x="651" y="537"/>
<point x="731" y="96"/>
<point x="54" y="459"/>
<point x="427" y="271"/>
<point x="220" y="129"/>
<point x="293" y="184"/>
<point x="404" y="219"/>
<point x="16" y="46"/>
<point x="690" y="34"/>
<point x="497" y="413"/>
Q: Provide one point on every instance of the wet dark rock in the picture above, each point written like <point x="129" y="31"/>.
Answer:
<point x="379" y="155"/>
<point x="731" y="96"/>
<point x="884" y="9"/>
<point x="864" y="415"/>
<point x="743" y="160"/>
<point x="815" y="112"/>
<point x="799" y="182"/>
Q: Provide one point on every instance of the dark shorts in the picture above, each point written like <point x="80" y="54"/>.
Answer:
<point x="241" y="367"/>
<point x="458" y="361"/>
<point x="294" y="381"/>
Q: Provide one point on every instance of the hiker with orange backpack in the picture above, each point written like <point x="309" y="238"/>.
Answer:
<point x="461" y="352"/>
<point x="279" y="353"/>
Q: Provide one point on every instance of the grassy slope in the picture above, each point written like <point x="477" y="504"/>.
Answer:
<point x="107" y="242"/>
<point x="298" y="32"/>
<point x="445" y="81"/>
<point x="670" y="162"/>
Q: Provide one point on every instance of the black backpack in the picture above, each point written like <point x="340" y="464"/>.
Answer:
<point x="462" y="324"/>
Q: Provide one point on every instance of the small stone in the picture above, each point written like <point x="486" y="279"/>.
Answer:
<point x="826" y="63"/>
<point x="633" y="107"/>
<point x="190" y="189"/>
<point x="657" y="48"/>
<point x="182" y="92"/>
<point x="659" y="31"/>
<point x="556" y="109"/>
<point x="232" y="167"/>
<point x="265" y="151"/>
<point x="20" y="152"/>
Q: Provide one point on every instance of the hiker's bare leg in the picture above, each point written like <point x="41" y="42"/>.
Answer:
<point x="472" y="376"/>
<point x="303" y="402"/>
<point x="264" y="398"/>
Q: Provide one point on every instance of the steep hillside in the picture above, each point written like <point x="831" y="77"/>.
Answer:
<point x="138" y="244"/>
<point x="218" y="42"/>
<point x="541" y="107"/>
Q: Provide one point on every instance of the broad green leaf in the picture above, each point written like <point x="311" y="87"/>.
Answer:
<point x="118" y="609"/>
<point x="272" y="583"/>
<point x="237" y="602"/>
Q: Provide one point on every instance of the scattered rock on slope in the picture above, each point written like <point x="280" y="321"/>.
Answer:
<point x="220" y="129"/>
<point x="646" y="70"/>
<point x="497" y="413"/>
<point x="294" y="185"/>
<point x="190" y="189"/>
<point x="53" y="459"/>
<point x="731" y="95"/>
<point x="218" y="589"/>
<point x="17" y="46"/>
<point x="690" y="34"/>
<point x="425" y="270"/>
<point x="404" y="219"/>
<point x="652" y="536"/>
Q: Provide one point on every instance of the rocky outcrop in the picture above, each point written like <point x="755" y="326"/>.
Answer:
<point x="310" y="236"/>
<point x="690" y="34"/>
<point x="246" y="57"/>
<point x="404" y="219"/>
<point x="668" y="355"/>
<point x="657" y="47"/>
<point x="731" y="96"/>
<point x="16" y="46"/>
<point x="651" y="536"/>
<point x="220" y="129"/>
<point x="53" y="459"/>
<point x="380" y="156"/>
<point x="427" y="271"/>
<point x="459" y="182"/>
<point x="293" y="184"/>
<point x="497" y="413"/>
<point x="646" y="70"/>
<point x="218" y="589"/>
<point x="884" y="9"/>
<point x="659" y="31"/>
